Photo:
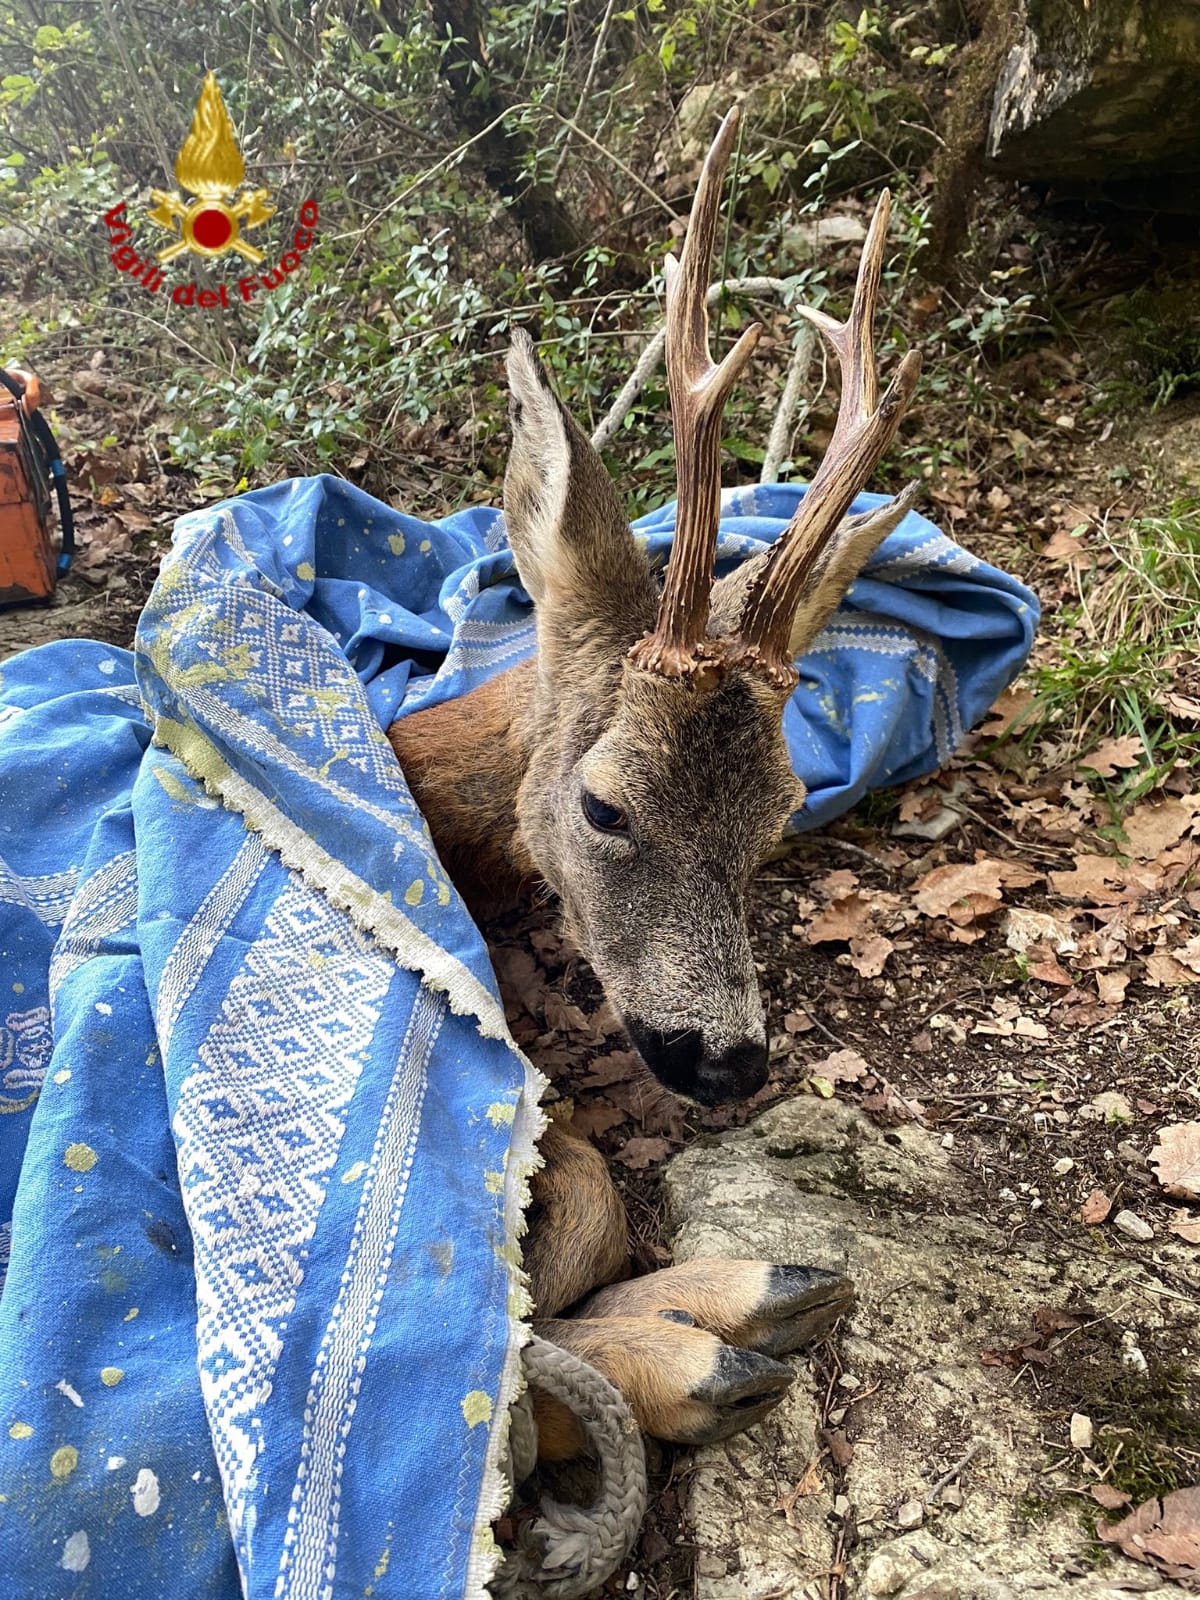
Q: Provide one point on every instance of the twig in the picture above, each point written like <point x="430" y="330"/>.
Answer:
<point x="581" y="133"/>
<point x="432" y="172"/>
<point x="948" y="1477"/>
<point x="781" y="427"/>
<point x="652" y="354"/>
<point x="821" y="1028"/>
<point x="601" y="37"/>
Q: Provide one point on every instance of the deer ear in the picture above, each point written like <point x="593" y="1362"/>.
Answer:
<point x="851" y="547"/>
<point x="574" y="549"/>
<point x="847" y="553"/>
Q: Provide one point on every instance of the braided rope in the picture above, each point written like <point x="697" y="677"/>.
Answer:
<point x="569" y="1551"/>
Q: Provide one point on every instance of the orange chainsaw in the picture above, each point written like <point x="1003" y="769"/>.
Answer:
<point x="30" y="461"/>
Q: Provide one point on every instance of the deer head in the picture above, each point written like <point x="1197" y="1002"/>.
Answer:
<point x="658" y="778"/>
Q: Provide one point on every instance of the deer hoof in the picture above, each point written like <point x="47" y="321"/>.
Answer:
<point x="800" y="1306"/>
<point x="742" y="1387"/>
<point x="748" y="1303"/>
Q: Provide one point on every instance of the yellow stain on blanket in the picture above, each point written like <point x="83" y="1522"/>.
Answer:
<point x="396" y="544"/>
<point x="477" y="1407"/>
<point x="110" y="1377"/>
<point x="414" y="892"/>
<point x="500" y="1112"/>
<point x="63" y="1462"/>
<point x="381" y="1566"/>
<point x="80" y="1157"/>
<point x="175" y="786"/>
<point x="20" y="1430"/>
<point x="305" y="572"/>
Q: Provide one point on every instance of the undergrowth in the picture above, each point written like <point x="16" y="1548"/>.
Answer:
<point x="1126" y="665"/>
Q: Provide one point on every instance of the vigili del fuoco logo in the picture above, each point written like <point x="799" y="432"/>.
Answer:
<point x="213" y="223"/>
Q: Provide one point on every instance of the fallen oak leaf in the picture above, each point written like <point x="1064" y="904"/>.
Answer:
<point x="841" y="921"/>
<point x="1164" y="972"/>
<point x="1095" y="1208"/>
<point x="1163" y="1533"/>
<point x="798" y="1022"/>
<point x="961" y="893"/>
<point x="563" y="1017"/>
<point x="1112" y="987"/>
<point x="1114" y="754"/>
<point x="843" y="1066"/>
<point x="1176" y="1160"/>
<point x="1185" y="1226"/>
<point x="597" y="1118"/>
<point x="639" y="1153"/>
<point x="1152" y="829"/>
<point x="616" y="1067"/>
<point x="1099" y="879"/>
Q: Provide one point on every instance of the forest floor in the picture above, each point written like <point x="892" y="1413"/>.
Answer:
<point x="984" y="1036"/>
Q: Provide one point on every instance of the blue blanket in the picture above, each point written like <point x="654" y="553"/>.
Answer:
<point x="264" y="1137"/>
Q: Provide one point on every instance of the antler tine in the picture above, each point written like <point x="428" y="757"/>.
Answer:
<point x="698" y="391"/>
<point x="864" y="429"/>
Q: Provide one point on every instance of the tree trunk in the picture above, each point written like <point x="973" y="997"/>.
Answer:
<point x="504" y="152"/>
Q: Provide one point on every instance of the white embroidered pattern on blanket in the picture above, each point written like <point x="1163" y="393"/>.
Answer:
<point x="259" y="1123"/>
<point x="311" y="1543"/>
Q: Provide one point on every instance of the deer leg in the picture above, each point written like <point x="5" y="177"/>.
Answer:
<point x="680" y="1382"/>
<point x="751" y="1304"/>
<point x="577" y="1236"/>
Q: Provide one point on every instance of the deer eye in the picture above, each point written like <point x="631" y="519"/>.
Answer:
<point x="608" y="819"/>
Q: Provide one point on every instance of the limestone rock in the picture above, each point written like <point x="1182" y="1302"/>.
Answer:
<point x="815" y="1182"/>
<point x="1103" y="95"/>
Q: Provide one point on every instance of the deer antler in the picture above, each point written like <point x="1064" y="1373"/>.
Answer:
<point x="865" y="428"/>
<point x="698" y="391"/>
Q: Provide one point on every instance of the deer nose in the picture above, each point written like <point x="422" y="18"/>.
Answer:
<point x="682" y="1062"/>
<point x="734" y="1075"/>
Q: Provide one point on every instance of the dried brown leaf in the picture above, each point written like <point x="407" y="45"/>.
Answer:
<point x="960" y="892"/>
<point x="1112" y="987"/>
<point x="566" y="1018"/>
<point x="1185" y="1225"/>
<point x="868" y="956"/>
<point x="639" y="1153"/>
<point x="838" y="1445"/>
<point x="1095" y="1208"/>
<point x="615" y="1067"/>
<point x="1176" y="1160"/>
<point x="1115" y="755"/>
<point x="599" y="1117"/>
<point x="1152" y="829"/>
<point x="1164" y="972"/>
<point x="1112" y="1499"/>
<point x="1093" y="878"/>
<point x="1164" y="1533"/>
<point x="843" y="1066"/>
<point x="842" y="920"/>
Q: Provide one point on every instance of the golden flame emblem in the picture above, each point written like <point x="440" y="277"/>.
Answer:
<point x="210" y="166"/>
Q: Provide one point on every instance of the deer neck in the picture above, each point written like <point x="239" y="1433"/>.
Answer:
<point x="464" y="761"/>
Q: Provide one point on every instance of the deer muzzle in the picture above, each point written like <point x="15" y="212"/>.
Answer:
<point x="684" y="1063"/>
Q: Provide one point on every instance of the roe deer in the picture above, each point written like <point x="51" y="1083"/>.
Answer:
<point x="637" y="766"/>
